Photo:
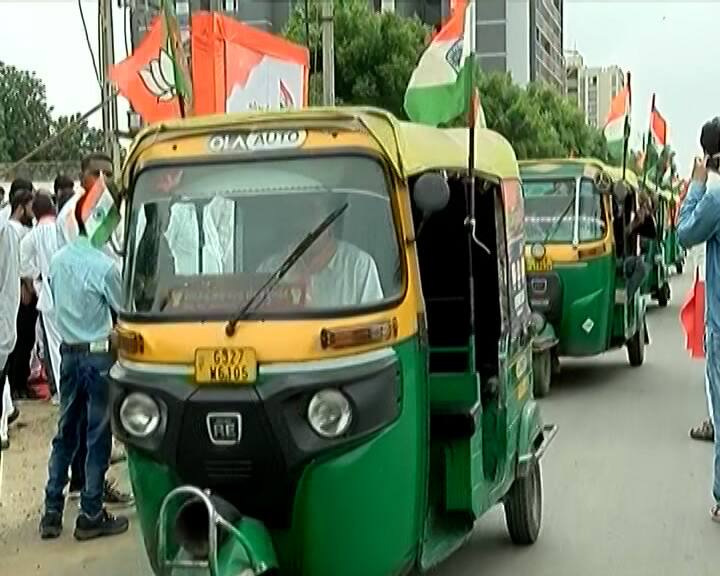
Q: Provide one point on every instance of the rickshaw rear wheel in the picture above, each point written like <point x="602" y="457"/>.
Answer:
<point x="636" y="347"/>
<point x="542" y="373"/>
<point x="523" y="507"/>
<point x="664" y="296"/>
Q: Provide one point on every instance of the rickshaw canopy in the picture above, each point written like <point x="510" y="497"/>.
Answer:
<point x="410" y="148"/>
<point x="566" y="168"/>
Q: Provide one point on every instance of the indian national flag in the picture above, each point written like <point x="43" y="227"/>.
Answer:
<point x="617" y="125"/>
<point x="440" y="87"/>
<point x="658" y="131"/>
<point x="99" y="213"/>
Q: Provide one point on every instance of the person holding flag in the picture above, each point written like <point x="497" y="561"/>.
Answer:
<point x="699" y="223"/>
<point x="86" y="287"/>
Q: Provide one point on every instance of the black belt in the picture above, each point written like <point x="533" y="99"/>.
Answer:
<point x="85" y="348"/>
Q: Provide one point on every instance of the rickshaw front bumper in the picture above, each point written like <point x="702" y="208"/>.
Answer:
<point x="251" y="444"/>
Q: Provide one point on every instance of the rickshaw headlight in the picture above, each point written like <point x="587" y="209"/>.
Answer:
<point x="537" y="251"/>
<point x="538" y="322"/>
<point x="139" y="415"/>
<point x="329" y="413"/>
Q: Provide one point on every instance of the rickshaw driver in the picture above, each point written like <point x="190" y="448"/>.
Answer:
<point x="335" y="273"/>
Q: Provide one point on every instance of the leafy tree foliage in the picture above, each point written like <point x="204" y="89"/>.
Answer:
<point x="26" y="121"/>
<point x="375" y="53"/>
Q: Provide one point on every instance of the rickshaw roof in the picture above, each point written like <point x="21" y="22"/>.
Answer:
<point x="410" y="148"/>
<point x="573" y="168"/>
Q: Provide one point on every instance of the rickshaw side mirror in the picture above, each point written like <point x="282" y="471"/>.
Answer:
<point x="431" y="193"/>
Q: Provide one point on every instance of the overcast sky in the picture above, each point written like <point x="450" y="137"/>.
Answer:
<point x="669" y="47"/>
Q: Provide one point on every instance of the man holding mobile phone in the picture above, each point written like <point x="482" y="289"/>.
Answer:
<point x="699" y="222"/>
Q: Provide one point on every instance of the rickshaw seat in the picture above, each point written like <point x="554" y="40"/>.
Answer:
<point x="452" y="423"/>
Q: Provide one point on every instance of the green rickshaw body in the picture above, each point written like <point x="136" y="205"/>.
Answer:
<point x="576" y="279"/>
<point x="440" y="421"/>
<point x="655" y="250"/>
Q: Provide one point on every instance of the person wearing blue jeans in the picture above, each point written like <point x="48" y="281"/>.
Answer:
<point x="86" y="286"/>
<point x="699" y="222"/>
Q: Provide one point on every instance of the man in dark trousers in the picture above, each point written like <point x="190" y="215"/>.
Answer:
<point x="20" y="221"/>
<point x="86" y="288"/>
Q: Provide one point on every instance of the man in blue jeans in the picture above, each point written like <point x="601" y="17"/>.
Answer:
<point x="699" y="222"/>
<point x="86" y="286"/>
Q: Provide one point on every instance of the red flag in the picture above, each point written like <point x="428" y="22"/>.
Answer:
<point x="692" y="318"/>
<point x="237" y="67"/>
<point x="147" y="77"/>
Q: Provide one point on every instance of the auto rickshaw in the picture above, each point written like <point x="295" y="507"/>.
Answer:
<point x="579" y="257"/>
<point x="325" y="356"/>
<point x="674" y="252"/>
<point x="657" y="281"/>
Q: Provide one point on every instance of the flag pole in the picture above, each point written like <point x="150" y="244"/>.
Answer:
<point x="626" y="128"/>
<point x="647" y="143"/>
<point x="471" y="192"/>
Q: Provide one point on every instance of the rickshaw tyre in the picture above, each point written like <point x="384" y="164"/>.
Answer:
<point x="636" y="347"/>
<point x="542" y="373"/>
<point x="664" y="296"/>
<point x="523" y="507"/>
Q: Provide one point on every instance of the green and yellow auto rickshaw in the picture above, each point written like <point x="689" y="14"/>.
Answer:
<point x="657" y="280"/>
<point x="580" y="256"/>
<point x="325" y="355"/>
<point x="674" y="252"/>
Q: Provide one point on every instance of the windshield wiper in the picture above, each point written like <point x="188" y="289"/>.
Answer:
<point x="264" y="291"/>
<point x="555" y="227"/>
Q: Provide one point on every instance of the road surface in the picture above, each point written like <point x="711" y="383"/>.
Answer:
<point x="626" y="490"/>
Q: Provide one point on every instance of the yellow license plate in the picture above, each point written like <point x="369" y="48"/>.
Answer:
<point x="542" y="265"/>
<point x="225" y="366"/>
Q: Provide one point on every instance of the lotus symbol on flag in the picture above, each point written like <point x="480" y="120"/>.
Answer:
<point x="158" y="75"/>
<point x="286" y="97"/>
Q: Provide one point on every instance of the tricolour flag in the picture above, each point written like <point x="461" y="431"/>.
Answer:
<point x="99" y="213"/>
<point x="440" y="87"/>
<point x="658" y="136"/>
<point x="617" y="124"/>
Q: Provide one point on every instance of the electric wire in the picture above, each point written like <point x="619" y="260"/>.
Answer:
<point x="89" y="44"/>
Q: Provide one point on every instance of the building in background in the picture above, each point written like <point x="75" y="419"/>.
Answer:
<point x="592" y="88"/>
<point x="271" y="15"/>
<point x="524" y="38"/>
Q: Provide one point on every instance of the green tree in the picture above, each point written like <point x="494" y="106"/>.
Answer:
<point x="26" y="121"/>
<point x="26" y="118"/>
<point x="537" y="120"/>
<point x="75" y="142"/>
<point x="375" y="53"/>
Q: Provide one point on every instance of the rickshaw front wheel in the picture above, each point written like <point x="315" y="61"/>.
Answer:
<point x="523" y="507"/>
<point x="636" y="347"/>
<point x="542" y="373"/>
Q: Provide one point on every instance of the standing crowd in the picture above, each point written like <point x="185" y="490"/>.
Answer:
<point x="58" y="298"/>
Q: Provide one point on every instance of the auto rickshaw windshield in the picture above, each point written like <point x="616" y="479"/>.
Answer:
<point x="204" y="238"/>
<point x="553" y="208"/>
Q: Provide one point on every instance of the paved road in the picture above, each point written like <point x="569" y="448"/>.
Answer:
<point x="626" y="490"/>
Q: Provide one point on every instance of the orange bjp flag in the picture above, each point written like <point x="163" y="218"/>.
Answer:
<point x="147" y="77"/>
<point x="238" y="68"/>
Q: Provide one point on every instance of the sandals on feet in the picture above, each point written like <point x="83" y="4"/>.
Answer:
<point x="715" y="513"/>
<point x="704" y="431"/>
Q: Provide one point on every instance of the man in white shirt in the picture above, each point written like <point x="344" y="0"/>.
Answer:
<point x="20" y="222"/>
<point x="335" y="273"/>
<point x="36" y="251"/>
<point x="9" y="303"/>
